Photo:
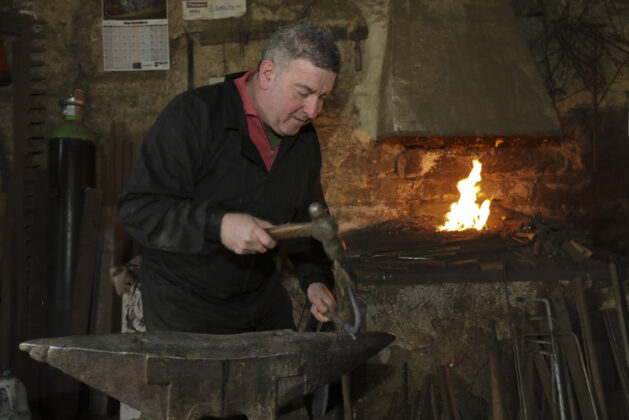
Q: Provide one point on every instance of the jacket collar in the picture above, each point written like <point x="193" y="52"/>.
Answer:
<point x="236" y="119"/>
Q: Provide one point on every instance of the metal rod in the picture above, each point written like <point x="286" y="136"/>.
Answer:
<point x="571" y="334"/>
<point x="555" y="352"/>
<point x="514" y="344"/>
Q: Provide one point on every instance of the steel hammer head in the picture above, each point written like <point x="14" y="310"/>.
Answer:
<point x="324" y="229"/>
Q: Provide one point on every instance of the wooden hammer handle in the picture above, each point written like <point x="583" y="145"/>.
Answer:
<point x="290" y="230"/>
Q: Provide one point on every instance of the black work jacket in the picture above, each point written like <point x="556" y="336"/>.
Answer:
<point x="197" y="163"/>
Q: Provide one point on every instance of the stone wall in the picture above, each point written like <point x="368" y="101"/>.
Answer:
<point x="367" y="181"/>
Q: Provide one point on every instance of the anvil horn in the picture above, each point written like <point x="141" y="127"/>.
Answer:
<point x="169" y="375"/>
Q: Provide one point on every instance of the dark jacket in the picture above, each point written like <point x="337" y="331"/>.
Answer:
<point x="197" y="163"/>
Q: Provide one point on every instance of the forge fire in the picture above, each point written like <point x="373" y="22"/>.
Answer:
<point x="466" y="213"/>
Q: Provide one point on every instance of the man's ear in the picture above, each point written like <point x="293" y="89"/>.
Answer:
<point x="267" y="73"/>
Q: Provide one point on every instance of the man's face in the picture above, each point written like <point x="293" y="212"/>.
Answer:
<point x="294" y="96"/>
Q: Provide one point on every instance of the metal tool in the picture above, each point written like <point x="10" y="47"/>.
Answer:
<point x="553" y="353"/>
<point x="621" y="306"/>
<point x="573" y="336"/>
<point x="514" y="345"/>
<point x="421" y="399"/>
<point x="446" y="369"/>
<point x="172" y="376"/>
<point x="590" y="352"/>
<point x="499" y="411"/>
<point x="323" y="228"/>
<point x="342" y="325"/>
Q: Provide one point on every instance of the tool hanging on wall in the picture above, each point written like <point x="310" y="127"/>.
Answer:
<point x="5" y="72"/>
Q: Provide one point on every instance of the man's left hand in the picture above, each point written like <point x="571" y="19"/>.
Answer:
<point x="322" y="301"/>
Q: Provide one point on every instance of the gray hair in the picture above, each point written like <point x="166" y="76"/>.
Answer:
<point x="303" y="39"/>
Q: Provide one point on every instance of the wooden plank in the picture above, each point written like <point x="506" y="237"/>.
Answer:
<point x="446" y="411"/>
<point x="401" y="275"/>
<point x="568" y="389"/>
<point x="23" y="275"/>
<point x="570" y="353"/>
<point x="528" y="389"/>
<point x="123" y="243"/>
<point x="103" y="298"/>
<point x="24" y="309"/>
<point x="20" y="138"/>
<point x="621" y="308"/>
<point x="7" y="284"/>
<point x="117" y="159"/>
<point x="591" y="355"/>
<point x="109" y="180"/>
<point x="87" y="260"/>
<point x="543" y="373"/>
<point x="37" y="319"/>
<point x="116" y="248"/>
<point x="103" y="290"/>
<point x="540" y="362"/>
<point x="127" y="163"/>
<point x="613" y="333"/>
<point x="496" y="378"/>
<point x="40" y="265"/>
<point x="225" y="31"/>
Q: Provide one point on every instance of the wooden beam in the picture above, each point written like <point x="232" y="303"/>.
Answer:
<point x="243" y="31"/>
<point x="88" y="259"/>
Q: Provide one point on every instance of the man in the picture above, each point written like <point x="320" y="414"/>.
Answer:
<point x="220" y="165"/>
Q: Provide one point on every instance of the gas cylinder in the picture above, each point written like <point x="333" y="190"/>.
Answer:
<point x="71" y="166"/>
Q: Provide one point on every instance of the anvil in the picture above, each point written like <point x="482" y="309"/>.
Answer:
<point x="176" y="376"/>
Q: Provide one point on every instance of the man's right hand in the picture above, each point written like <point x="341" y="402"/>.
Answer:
<point x="245" y="234"/>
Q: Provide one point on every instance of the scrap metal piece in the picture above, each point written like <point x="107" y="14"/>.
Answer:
<point x="171" y="375"/>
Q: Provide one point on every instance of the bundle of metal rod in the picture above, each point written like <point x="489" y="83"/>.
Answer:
<point x="549" y="347"/>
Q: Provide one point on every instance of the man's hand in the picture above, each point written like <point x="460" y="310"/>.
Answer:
<point x="245" y="234"/>
<point x="322" y="301"/>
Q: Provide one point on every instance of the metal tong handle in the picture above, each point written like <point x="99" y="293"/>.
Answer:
<point x="352" y="329"/>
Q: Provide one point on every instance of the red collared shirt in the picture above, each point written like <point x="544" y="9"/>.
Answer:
<point x="256" y="128"/>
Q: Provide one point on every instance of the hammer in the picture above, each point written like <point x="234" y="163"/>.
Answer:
<point x="323" y="228"/>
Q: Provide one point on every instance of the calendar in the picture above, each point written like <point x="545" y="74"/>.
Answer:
<point x="135" y="35"/>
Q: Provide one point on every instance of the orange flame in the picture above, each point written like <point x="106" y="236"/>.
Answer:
<point x="465" y="213"/>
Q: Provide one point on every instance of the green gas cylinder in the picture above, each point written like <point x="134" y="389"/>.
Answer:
<point x="71" y="166"/>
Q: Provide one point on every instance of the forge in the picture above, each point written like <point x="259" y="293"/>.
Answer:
<point x="447" y="293"/>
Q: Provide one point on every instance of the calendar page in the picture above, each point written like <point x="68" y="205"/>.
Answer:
<point x="135" y="35"/>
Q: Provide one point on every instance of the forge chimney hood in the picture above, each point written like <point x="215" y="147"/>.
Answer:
<point x="460" y="68"/>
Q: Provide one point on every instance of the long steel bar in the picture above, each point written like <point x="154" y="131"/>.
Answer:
<point x="572" y="335"/>
<point x="586" y="328"/>
<point x="555" y="352"/>
<point x="514" y="344"/>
